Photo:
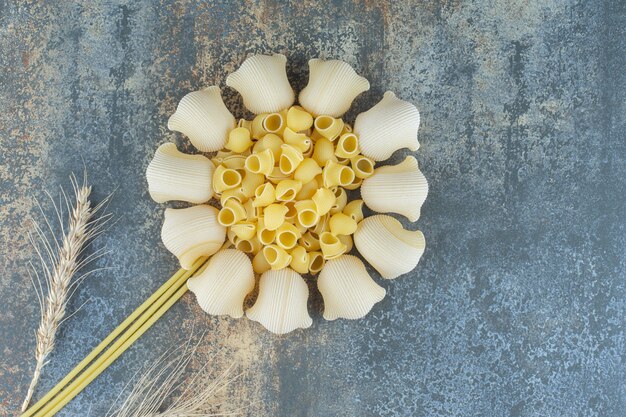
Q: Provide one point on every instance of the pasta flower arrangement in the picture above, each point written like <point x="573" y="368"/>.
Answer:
<point x="281" y="180"/>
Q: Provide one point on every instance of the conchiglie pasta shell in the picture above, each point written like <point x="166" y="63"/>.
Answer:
<point x="398" y="189"/>
<point x="281" y="306"/>
<point x="173" y="175"/>
<point x="203" y="117"/>
<point x="262" y="82"/>
<point x="222" y="287"/>
<point x="332" y="87"/>
<point x="347" y="289"/>
<point x="192" y="232"/>
<point x="389" y="248"/>
<point x="390" y="125"/>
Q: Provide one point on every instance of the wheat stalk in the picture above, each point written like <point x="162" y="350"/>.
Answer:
<point x="162" y="379"/>
<point x="59" y="263"/>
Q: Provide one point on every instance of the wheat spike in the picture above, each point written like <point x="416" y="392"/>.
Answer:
<point x="60" y="260"/>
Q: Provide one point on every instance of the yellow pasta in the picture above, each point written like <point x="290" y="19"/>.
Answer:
<point x="252" y="212"/>
<point x="310" y="241"/>
<point x="346" y="128"/>
<point x="261" y="162"/>
<point x="235" y="193"/>
<point x="322" y="225"/>
<point x="331" y="246"/>
<point x="307" y="191"/>
<point x="291" y="214"/>
<point x="232" y="212"/>
<point x="356" y="183"/>
<point x="299" y="119"/>
<point x="335" y="174"/>
<point x="354" y="209"/>
<point x="346" y="240"/>
<point x="274" y="216"/>
<point x="324" y="200"/>
<point x="218" y="158"/>
<point x="232" y="237"/>
<point x="269" y="141"/>
<point x="307" y="213"/>
<point x="316" y="262"/>
<point x="251" y="181"/>
<point x="340" y="201"/>
<point x="362" y="166"/>
<point x="276" y="256"/>
<point x="239" y="140"/>
<point x="342" y="224"/>
<point x="323" y="152"/>
<point x="225" y="179"/>
<point x="328" y="127"/>
<point x="264" y="195"/>
<point x="290" y="158"/>
<point x="287" y="236"/>
<point x="297" y="140"/>
<point x="260" y="264"/>
<point x="248" y="246"/>
<point x="265" y="236"/>
<point x="299" y="260"/>
<point x="347" y="146"/>
<point x="277" y="176"/>
<point x="273" y="123"/>
<point x="307" y="170"/>
<point x="256" y="126"/>
<point x="244" y="230"/>
<point x="286" y="190"/>
<point x="245" y="124"/>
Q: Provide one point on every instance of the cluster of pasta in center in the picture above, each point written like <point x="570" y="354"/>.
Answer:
<point x="282" y="182"/>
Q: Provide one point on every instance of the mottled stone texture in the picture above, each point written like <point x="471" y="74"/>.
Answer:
<point x="518" y="305"/>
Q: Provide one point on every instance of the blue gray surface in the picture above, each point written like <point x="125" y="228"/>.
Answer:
<point x="518" y="305"/>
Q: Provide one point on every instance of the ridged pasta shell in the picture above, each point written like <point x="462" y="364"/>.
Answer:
<point x="281" y="306"/>
<point x="174" y="175"/>
<point x="387" y="246"/>
<point x="203" y="117"/>
<point x="222" y="287"/>
<point x="332" y="87"/>
<point x="192" y="232"/>
<point x="390" y="125"/>
<point x="262" y="82"/>
<point x="398" y="189"/>
<point x="347" y="289"/>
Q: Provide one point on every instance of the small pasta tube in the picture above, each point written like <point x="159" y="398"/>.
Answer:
<point x="257" y="126"/>
<point x="251" y="181"/>
<point x="277" y="176"/>
<point x="346" y="128"/>
<point x="356" y="183"/>
<point x="232" y="212"/>
<point x="299" y="260"/>
<point x="244" y="230"/>
<point x="362" y="166"/>
<point x="347" y="146"/>
<point x="324" y="200"/>
<point x="291" y="214"/>
<point x="322" y="225"/>
<point x="265" y="236"/>
<point x="252" y="212"/>
<point x="235" y="193"/>
<point x="264" y="195"/>
<point x="286" y="190"/>
<point x="354" y="209"/>
<point x="335" y="174"/>
<point x="331" y="246"/>
<point x="239" y="140"/>
<point x="225" y="179"/>
<point x="273" y="123"/>
<point x="340" y="201"/>
<point x="328" y="127"/>
<point x="260" y="264"/>
<point x="307" y="170"/>
<point x="245" y="124"/>
<point x="290" y="158"/>
<point x="310" y="241"/>
<point x="260" y="163"/>
<point x="299" y="119"/>
<point x="316" y="262"/>
<point x="323" y="152"/>
<point x="297" y="140"/>
<point x="307" y="191"/>
<point x="346" y="240"/>
<point x="248" y="245"/>
<point x="269" y="141"/>
<point x="307" y="213"/>
<point x="287" y="236"/>
<point x="342" y="224"/>
<point x="274" y="216"/>
<point x="277" y="257"/>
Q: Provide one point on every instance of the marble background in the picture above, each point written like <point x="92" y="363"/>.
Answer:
<point x="518" y="305"/>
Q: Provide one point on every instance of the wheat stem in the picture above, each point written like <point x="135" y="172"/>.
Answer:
<point x="59" y="267"/>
